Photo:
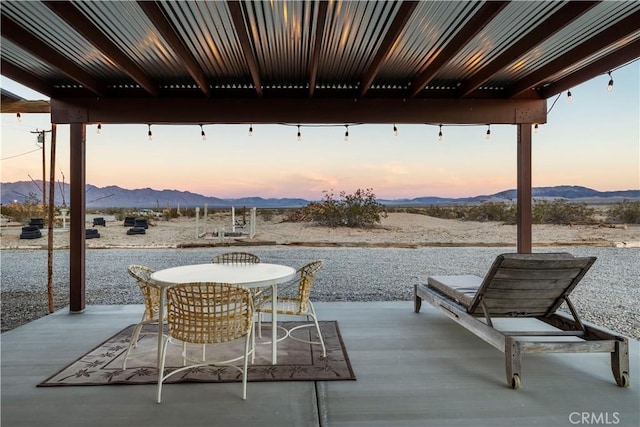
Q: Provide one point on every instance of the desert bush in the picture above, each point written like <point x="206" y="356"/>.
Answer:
<point x="561" y="212"/>
<point x="360" y="209"/>
<point x="492" y="211"/>
<point x="626" y="212"/>
<point x="22" y="212"/>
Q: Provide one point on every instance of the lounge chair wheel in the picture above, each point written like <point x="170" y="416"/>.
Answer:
<point x="515" y="381"/>
<point x="624" y="380"/>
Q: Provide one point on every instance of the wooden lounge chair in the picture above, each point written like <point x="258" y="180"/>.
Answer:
<point x="526" y="285"/>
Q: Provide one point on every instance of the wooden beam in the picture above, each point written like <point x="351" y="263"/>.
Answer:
<point x="25" y="78"/>
<point x="49" y="55"/>
<point x="390" y="39"/>
<point x="237" y="17"/>
<point x="79" y="22"/>
<point x="589" y="47"/>
<point x="154" y="12"/>
<point x="477" y="22"/>
<point x="319" y="36"/>
<point x="523" y="198"/>
<point x="77" y="272"/>
<point x="540" y="33"/>
<point x="623" y="55"/>
<point x="301" y="110"/>
<point x="26" y="106"/>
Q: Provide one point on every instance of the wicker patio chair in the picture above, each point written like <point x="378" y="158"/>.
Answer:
<point x="208" y="313"/>
<point x="236" y="258"/>
<point x="293" y="299"/>
<point x="242" y="258"/>
<point x="151" y="296"/>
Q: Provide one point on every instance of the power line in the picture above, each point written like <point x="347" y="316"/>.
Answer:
<point x="18" y="155"/>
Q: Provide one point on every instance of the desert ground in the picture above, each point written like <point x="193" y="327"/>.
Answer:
<point x="396" y="230"/>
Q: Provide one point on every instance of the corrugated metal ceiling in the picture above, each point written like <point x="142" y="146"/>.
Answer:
<point x="274" y="44"/>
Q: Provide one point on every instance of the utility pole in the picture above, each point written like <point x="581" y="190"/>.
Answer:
<point x="41" y="134"/>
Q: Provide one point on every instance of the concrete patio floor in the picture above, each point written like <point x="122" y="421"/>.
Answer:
<point x="412" y="370"/>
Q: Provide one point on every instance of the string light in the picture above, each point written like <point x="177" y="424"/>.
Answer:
<point x="569" y="96"/>
<point x="488" y="136"/>
<point x="535" y="128"/>
<point x="440" y="137"/>
<point x="299" y="134"/>
<point x="610" y="85"/>
<point x="149" y="134"/>
<point x="99" y="128"/>
<point x="202" y="134"/>
<point x="395" y="130"/>
<point x="346" y="133"/>
<point x="250" y="130"/>
<point x="19" y="117"/>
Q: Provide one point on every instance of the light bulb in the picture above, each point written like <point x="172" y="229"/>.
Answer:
<point x="299" y="134"/>
<point x="250" y="130"/>
<point x="440" y="137"/>
<point x="19" y="117"/>
<point x="488" y="136"/>
<point x="346" y="133"/>
<point x="610" y="85"/>
<point x="535" y="128"/>
<point x="569" y="96"/>
<point x="149" y="134"/>
<point x="99" y="128"/>
<point x="202" y="134"/>
<point x="395" y="130"/>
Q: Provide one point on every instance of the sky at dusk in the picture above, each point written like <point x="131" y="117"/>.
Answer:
<point x="592" y="141"/>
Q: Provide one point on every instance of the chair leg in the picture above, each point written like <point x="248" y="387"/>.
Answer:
<point x="513" y="362"/>
<point x="161" y="369"/>
<point x="245" y="366"/>
<point x="315" y="320"/>
<point x="133" y="342"/>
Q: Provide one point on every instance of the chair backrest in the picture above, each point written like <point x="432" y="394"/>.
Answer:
<point x="151" y="294"/>
<point x="236" y="258"/>
<point x="306" y="277"/>
<point x="529" y="285"/>
<point x="209" y="312"/>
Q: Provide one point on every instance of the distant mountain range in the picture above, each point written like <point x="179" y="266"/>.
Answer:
<point x="116" y="197"/>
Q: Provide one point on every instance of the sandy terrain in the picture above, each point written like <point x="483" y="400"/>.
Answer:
<point x="397" y="230"/>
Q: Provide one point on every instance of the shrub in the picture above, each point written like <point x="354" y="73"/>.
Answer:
<point x="22" y="212"/>
<point x="561" y="212"/>
<point x="360" y="209"/>
<point x="625" y="212"/>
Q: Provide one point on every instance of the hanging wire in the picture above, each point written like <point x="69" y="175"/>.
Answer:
<point x="22" y="154"/>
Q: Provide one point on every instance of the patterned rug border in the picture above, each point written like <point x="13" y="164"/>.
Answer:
<point x="336" y="355"/>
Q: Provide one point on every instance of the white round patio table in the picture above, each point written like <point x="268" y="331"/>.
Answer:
<point x="249" y="275"/>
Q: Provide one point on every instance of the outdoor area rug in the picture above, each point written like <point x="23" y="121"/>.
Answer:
<point x="297" y="361"/>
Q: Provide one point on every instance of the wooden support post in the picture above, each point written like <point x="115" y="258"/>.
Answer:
<point x="524" y="189"/>
<point x="51" y="218"/>
<point x="77" y="135"/>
